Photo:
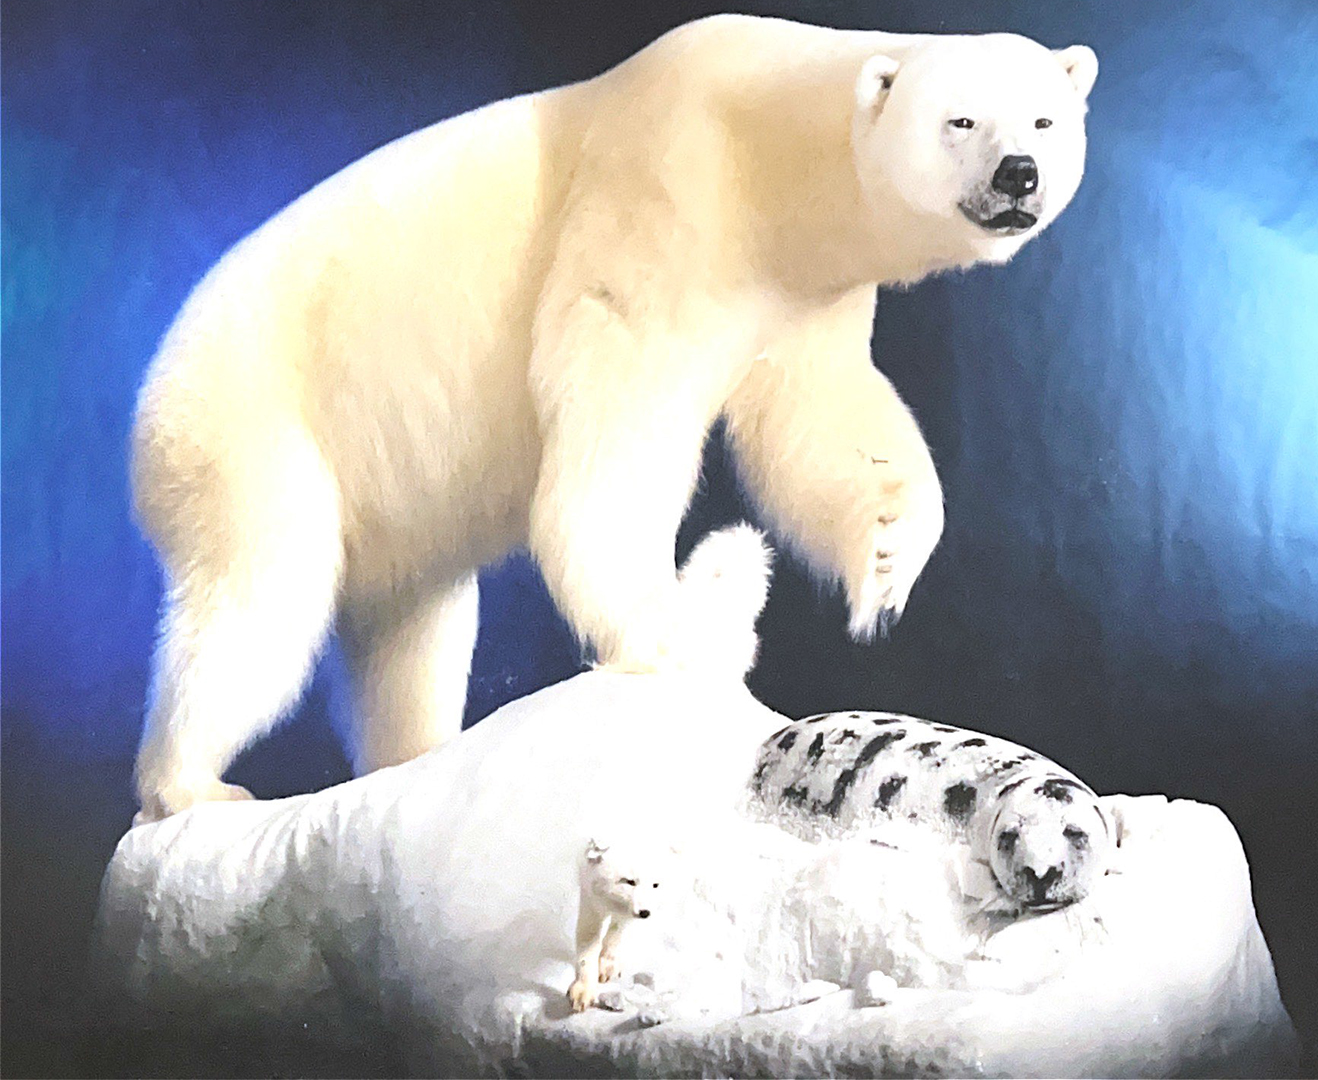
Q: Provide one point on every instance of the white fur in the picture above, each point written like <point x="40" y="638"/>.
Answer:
<point x="619" y="883"/>
<point x="1003" y="85"/>
<point x="516" y="327"/>
<point x="722" y="588"/>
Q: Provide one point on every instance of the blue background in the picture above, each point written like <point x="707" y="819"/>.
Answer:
<point x="1125" y="417"/>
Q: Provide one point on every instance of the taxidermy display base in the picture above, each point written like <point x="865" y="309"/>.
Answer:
<point x="437" y="903"/>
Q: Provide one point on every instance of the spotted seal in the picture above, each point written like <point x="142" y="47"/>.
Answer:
<point x="1043" y="832"/>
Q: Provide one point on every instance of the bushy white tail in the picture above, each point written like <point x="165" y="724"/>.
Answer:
<point x="724" y="584"/>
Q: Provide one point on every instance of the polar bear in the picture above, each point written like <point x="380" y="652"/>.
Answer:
<point x="515" y="329"/>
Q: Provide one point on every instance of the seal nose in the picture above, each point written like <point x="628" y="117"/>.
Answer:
<point x="1017" y="175"/>
<point x="1039" y="885"/>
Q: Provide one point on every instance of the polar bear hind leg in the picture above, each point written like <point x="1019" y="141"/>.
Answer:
<point x="248" y="604"/>
<point x="410" y="675"/>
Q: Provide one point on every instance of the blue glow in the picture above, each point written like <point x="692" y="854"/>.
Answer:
<point x="1125" y="418"/>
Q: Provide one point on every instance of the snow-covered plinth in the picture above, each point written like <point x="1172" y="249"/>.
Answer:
<point x="438" y="899"/>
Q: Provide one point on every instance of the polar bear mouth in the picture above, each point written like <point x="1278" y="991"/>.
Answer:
<point x="1009" y="222"/>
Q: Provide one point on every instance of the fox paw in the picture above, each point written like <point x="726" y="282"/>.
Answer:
<point x="581" y="995"/>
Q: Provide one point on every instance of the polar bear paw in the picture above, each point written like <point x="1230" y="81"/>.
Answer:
<point x="632" y="665"/>
<point x="177" y="797"/>
<point x="892" y="553"/>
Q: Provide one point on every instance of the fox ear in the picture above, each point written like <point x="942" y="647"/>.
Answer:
<point x="594" y="853"/>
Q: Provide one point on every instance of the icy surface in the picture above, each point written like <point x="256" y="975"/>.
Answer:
<point x="439" y="899"/>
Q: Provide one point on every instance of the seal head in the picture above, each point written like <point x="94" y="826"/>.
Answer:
<point x="1050" y="842"/>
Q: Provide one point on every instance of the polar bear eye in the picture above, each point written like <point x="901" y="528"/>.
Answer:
<point x="963" y="122"/>
<point x="627" y="881"/>
<point x="1043" y="122"/>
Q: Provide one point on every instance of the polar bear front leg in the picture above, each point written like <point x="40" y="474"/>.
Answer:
<point x="837" y="463"/>
<point x="623" y="411"/>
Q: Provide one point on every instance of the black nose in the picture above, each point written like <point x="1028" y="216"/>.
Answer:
<point x="1039" y="885"/>
<point x="1017" y="175"/>
<point x="644" y="913"/>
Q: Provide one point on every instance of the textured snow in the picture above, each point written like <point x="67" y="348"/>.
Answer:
<point x="438" y="899"/>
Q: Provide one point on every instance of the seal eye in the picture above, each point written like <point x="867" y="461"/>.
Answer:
<point x="1076" y="835"/>
<point x="1007" y="839"/>
<point x="1043" y="122"/>
<point x="963" y="122"/>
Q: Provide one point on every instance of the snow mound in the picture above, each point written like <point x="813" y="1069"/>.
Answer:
<point x="438" y="900"/>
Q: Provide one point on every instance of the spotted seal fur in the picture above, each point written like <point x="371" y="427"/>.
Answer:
<point x="1043" y="832"/>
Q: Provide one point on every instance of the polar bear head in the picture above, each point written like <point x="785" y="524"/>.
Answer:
<point x="983" y="136"/>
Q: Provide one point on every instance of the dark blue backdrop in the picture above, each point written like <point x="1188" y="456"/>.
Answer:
<point x="1125" y="418"/>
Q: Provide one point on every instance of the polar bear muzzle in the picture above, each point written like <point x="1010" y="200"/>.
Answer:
<point x="1011" y="202"/>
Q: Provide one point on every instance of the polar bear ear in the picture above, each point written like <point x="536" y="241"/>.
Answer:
<point x="594" y="852"/>
<point x="1079" y="62"/>
<point x="875" y="81"/>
